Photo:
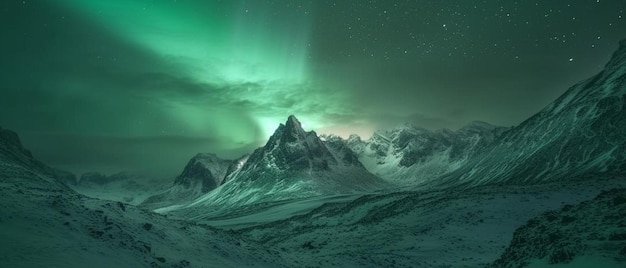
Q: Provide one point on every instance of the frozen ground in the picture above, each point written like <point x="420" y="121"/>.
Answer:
<point x="592" y="233"/>
<point x="43" y="223"/>
<point x="454" y="228"/>
<point x="43" y="228"/>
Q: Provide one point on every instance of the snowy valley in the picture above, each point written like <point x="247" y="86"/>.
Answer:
<point x="549" y="191"/>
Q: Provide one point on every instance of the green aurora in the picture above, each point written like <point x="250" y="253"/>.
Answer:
<point x="240" y="64"/>
<point x="144" y="85"/>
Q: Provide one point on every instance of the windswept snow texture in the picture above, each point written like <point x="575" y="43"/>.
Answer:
<point x="293" y="164"/>
<point x="203" y="173"/>
<point x="413" y="155"/>
<point x="589" y="234"/>
<point x="583" y="131"/>
<point x="43" y="223"/>
<point x="448" y="228"/>
<point x="306" y="201"/>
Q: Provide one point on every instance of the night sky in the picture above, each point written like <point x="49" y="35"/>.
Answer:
<point x="144" y="85"/>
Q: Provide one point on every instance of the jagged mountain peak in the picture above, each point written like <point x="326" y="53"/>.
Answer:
<point x="205" y="168"/>
<point x="354" y="137"/>
<point x="293" y="130"/>
<point x="293" y="122"/>
<point x="411" y="154"/>
<point x="12" y="140"/>
<point x="293" y="164"/>
<point x="290" y="147"/>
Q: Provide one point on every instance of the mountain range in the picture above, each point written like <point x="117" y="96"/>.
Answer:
<point x="292" y="164"/>
<point x="539" y="193"/>
<point x="579" y="133"/>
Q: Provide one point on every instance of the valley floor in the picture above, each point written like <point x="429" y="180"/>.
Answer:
<point x="472" y="227"/>
<point x="445" y="228"/>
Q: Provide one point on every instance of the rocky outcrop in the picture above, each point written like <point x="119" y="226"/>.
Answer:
<point x="594" y="229"/>
<point x="206" y="171"/>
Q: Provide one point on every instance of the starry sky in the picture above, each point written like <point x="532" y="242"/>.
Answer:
<point x="143" y="85"/>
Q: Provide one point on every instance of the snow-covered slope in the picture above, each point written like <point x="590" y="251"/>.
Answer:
<point x="43" y="223"/>
<point x="410" y="155"/>
<point x="15" y="157"/>
<point x="583" y="131"/>
<point x="450" y="227"/>
<point x="589" y="234"/>
<point x="16" y="161"/>
<point x="293" y="164"/>
<point x="203" y="173"/>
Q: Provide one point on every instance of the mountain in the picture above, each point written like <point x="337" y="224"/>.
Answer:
<point x="410" y="155"/>
<point x="14" y="155"/>
<point x="592" y="233"/>
<point x="293" y="164"/>
<point x="203" y="173"/>
<point x="43" y="223"/>
<point x="17" y="162"/>
<point x="582" y="132"/>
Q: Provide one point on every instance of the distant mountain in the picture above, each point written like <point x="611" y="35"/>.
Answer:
<point x="203" y="173"/>
<point x="43" y="223"/>
<point x="293" y="164"/>
<point x="592" y="233"/>
<point x="582" y="132"/>
<point x="410" y="155"/>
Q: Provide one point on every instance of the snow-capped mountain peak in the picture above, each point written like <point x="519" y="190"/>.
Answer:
<point x="409" y="154"/>
<point x="292" y="148"/>
<point x="293" y="130"/>
<point x="293" y="164"/>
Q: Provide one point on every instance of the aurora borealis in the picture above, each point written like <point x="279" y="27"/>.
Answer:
<point x="121" y="85"/>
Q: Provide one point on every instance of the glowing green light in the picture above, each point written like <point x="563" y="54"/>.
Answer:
<point x="253" y="56"/>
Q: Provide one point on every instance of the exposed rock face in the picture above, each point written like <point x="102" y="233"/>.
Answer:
<point x="202" y="174"/>
<point x="14" y="154"/>
<point x="410" y="154"/>
<point x="11" y="150"/>
<point x="206" y="171"/>
<point x="583" y="131"/>
<point x="341" y="151"/>
<point x="290" y="148"/>
<point x="293" y="164"/>
<point x="595" y="229"/>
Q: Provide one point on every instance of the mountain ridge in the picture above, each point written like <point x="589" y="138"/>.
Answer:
<point x="580" y="132"/>
<point x="292" y="164"/>
<point x="413" y="155"/>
